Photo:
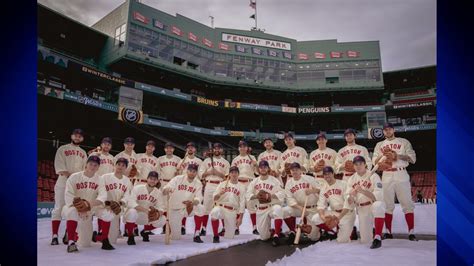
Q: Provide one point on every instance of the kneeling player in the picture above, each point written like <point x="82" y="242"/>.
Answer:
<point x="82" y="189"/>
<point x="185" y="196"/>
<point x="367" y="195"/>
<point x="229" y="199"/>
<point x="269" y="193"/>
<point x="145" y="207"/>
<point x="339" y="214"/>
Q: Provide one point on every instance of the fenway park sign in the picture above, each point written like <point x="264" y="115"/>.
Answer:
<point x="226" y="37"/>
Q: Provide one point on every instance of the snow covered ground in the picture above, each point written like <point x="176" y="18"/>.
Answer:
<point x="156" y="252"/>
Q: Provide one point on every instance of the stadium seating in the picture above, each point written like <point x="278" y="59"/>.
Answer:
<point x="425" y="182"/>
<point x="46" y="180"/>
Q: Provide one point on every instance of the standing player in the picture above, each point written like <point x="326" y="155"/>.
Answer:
<point x="333" y="195"/>
<point x="229" y="199"/>
<point x="185" y="196"/>
<point x="189" y="158"/>
<point x="146" y="162"/>
<point x="82" y="189"/>
<point x="129" y="154"/>
<point x="145" y="207"/>
<point x="395" y="178"/>
<point x="247" y="165"/>
<point x="270" y="195"/>
<point x="168" y="164"/>
<point x="297" y="189"/>
<point x="212" y="171"/>
<point x="273" y="157"/>
<point x="366" y="195"/>
<point x="114" y="192"/>
<point x="292" y="154"/>
<point x="106" y="159"/>
<point x="347" y="153"/>
<point x="321" y="157"/>
<point x="69" y="159"/>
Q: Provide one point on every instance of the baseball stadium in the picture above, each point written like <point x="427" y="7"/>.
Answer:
<point x="145" y="74"/>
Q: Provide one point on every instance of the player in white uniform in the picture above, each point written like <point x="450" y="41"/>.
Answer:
<point x="69" y="159"/>
<point x="333" y="202"/>
<point x="297" y="189"/>
<point x="247" y="165"/>
<point x="107" y="160"/>
<point x="345" y="155"/>
<point x="168" y="164"/>
<point x="114" y="190"/>
<point x="229" y="199"/>
<point x="269" y="206"/>
<point x="129" y="154"/>
<point x="292" y="154"/>
<point x="189" y="158"/>
<point x="145" y="198"/>
<point x="395" y="178"/>
<point x="81" y="187"/>
<point x="273" y="157"/>
<point x="366" y="195"/>
<point x="146" y="162"/>
<point x="185" y="196"/>
<point x="212" y="171"/>
<point x="321" y="157"/>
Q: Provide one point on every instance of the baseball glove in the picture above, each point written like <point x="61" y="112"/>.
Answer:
<point x="306" y="228"/>
<point x="264" y="197"/>
<point x="385" y="164"/>
<point x="133" y="171"/>
<point x="319" y="166"/>
<point x="114" y="206"/>
<point x="390" y="154"/>
<point x="349" y="166"/>
<point x="189" y="206"/>
<point x="153" y="214"/>
<point x="273" y="173"/>
<point x="81" y="205"/>
<point x="287" y="168"/>
<point x="331" y="221"/>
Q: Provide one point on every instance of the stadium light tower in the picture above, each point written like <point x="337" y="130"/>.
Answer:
<point x="212" y="21"/>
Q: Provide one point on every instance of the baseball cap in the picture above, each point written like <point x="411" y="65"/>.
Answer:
<point x="78" y="131"/>
<point x="191" y="144"/>
<point x="267" y="138"/>
<point x="153" y="174"/>
<point x="349" y="131"/>
<point x="129" y="140"/>
<point x="94" y="159"/>
<point x="234" y="169"/>
<point x="150" y="142"/>
<point x="388" y="125"/>
<point x="192" y="167"/>
<point x="169" y="144"/>
<point x="295" y="165"/>
<point x="243" y="143"/>
<point x="263" y="164"/>
<point x="122" y="160"/>
<point x="328" y="169"/>
<point x="321" y="135"/>
<point x="358" y="159"/>
<point x="217" y="145"/>
<point x="288" y="135"/>
<point x="107" y="140"/>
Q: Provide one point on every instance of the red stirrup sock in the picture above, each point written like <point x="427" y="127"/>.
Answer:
<point x="388" y="222"/>
<point x="215" y="227"/>
<point x="410" y="218"/>
<point x="379" y="226"/>
<point x="55" y="225"/>
<point x="71" y="227"/>
<point x="278" y="224"/>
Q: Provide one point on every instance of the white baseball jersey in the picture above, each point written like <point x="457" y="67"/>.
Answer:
<point x="141" y="197"/>
<point x="295" y="191"/>
<point x="146" y="164"/>
<point x="296" y="154"/>
<point x="347" y="153"/>
<point x="234" y="195"/>
<point x="107" y="163"/>
<point x="273" y="158"/>
<point x="220" y="164"/>
<point x="71" y="158"/>
<point x="245" y="165"/>
<point x="372" y="184"/>
<point x="79" y="185"/>
<point x="132" y="160"/>
<point x="271" y="185"/>
<point x="168" y="166"/>
<point x="333" y="196"/>
<point x="328" y="155"/>
<point x="183" y="190"/>
<point x="183" y="164"/>
<point x="400" y="145"/>
<point x="116" y="189"/>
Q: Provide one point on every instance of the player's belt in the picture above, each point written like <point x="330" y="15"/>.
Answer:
<point x="311" y="206"/>
<point x="338" y="210"/>
<point x="365" y="203"/>
<point x="348" y="174"/>
<point x="264" y="207"/>
<point x="140" y="180"/>
<point x="227" y="207"/>
<point x="320" y="176"/>
<point x="244" y="180"/>
<point x="395" y="169"/>
<point x="166" y="180"/>
<point x="214" y="182"/>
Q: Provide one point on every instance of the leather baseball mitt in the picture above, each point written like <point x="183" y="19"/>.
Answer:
<point x="389" y="154"/>
<point x="306" y="228"/>
<point x="81" y="205"/>
<point x="385" y="164"/>
<point x="189" y="206"/>
<point x="349" y="166"/>
<point x="133" y="171"/>
<point x="264" y="197"/>
<point x="331" y="221"/>
<point x="287" y="168"/>
<point x="153" y="214"/>
<point x="114" y="206"/>
<point x="273" y="173"/>
<point x="319" y="166"/>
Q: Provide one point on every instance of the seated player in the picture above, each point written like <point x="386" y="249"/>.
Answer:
<point x="333" y="209"/>
<point x="297" y="189"/>
<point x="270" y="195"/>
<point x="82" y="189"/>
<point x="366" y="193"/>
<point x="185" y="196"/>
<point x="145" y="207"/>
<point x="114" y="192"/>
<point x="229" y="199"/>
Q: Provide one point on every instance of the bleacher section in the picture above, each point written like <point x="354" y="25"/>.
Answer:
<point x="46" y="180"/>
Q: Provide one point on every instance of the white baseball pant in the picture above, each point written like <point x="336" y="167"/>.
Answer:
<point x="366" y="219"/>
<point x="230" y="219"/>
<point x="345" y="224"/>
<point x="264" y="218"/>
<point x="397" y="183"/>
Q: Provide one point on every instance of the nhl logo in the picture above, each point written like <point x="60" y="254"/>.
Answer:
<point x="130" y="115"/>
<point x="376" y="133"/>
